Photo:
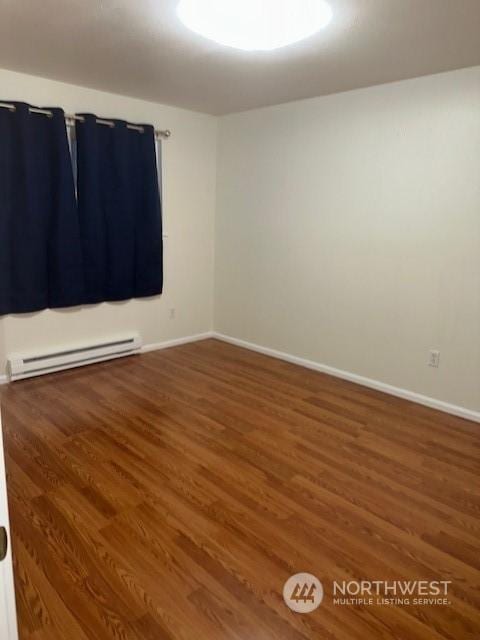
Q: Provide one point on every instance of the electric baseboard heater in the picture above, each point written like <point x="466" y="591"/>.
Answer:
<point x="32" y="364"/>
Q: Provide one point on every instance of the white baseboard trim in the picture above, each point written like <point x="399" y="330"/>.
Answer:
<point x="433" y="403"/>
<point x="155" y="346"/>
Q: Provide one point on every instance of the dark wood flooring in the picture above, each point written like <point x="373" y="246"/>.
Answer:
<point x="169" y="496"/>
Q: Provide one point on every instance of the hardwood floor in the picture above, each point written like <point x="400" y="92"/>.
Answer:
<point x="169" y="496"/>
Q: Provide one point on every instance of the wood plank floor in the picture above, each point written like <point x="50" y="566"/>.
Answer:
<point x="169" y="496"/>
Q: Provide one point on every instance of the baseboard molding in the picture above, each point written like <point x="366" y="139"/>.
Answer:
<point x="433" y="403"/>
<point x="155" y="346"/>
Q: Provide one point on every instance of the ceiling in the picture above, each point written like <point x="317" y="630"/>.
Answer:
<point x="139" y="48"/>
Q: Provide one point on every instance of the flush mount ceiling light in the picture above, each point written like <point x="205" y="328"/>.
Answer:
<point x="255" y="25"/>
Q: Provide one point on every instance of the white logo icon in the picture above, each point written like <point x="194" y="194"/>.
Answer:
<point x="303" y="592"/>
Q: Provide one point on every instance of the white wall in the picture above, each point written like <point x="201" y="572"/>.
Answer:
<point x="348" y="232"/>
<point x="189" y="209"/>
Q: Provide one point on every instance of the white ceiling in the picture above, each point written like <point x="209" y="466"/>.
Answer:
<point x="139" y="48"/>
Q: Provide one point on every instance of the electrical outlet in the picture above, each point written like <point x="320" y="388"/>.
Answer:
<point x="433" y="358"/>
<point x="171" y="313"/>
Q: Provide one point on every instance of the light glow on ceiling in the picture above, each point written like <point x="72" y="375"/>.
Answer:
<point x="255" y="25"/>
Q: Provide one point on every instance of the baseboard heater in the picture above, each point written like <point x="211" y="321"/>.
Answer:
<point x="36" y="364"/>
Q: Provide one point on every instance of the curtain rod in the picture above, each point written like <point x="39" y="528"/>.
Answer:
<point x="70" y="120"/>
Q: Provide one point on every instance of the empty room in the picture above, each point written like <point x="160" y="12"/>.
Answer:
<point x="240" y="320"/>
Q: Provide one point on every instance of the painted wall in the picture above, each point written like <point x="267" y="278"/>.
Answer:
<point x="189" y="169"/>
<point x="348" y="232"/>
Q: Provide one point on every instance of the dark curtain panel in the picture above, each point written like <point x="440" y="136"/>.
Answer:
<point x="40" y="252"/>
<point x="119" y="210"/>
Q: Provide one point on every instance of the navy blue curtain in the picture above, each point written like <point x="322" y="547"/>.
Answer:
<point x="40" y="251"/>
<point x="119" y="210"/>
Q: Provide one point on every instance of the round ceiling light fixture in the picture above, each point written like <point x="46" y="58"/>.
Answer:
<point x="255" y="25"/>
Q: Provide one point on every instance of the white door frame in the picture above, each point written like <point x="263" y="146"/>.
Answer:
<point x="8" y="613"/>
